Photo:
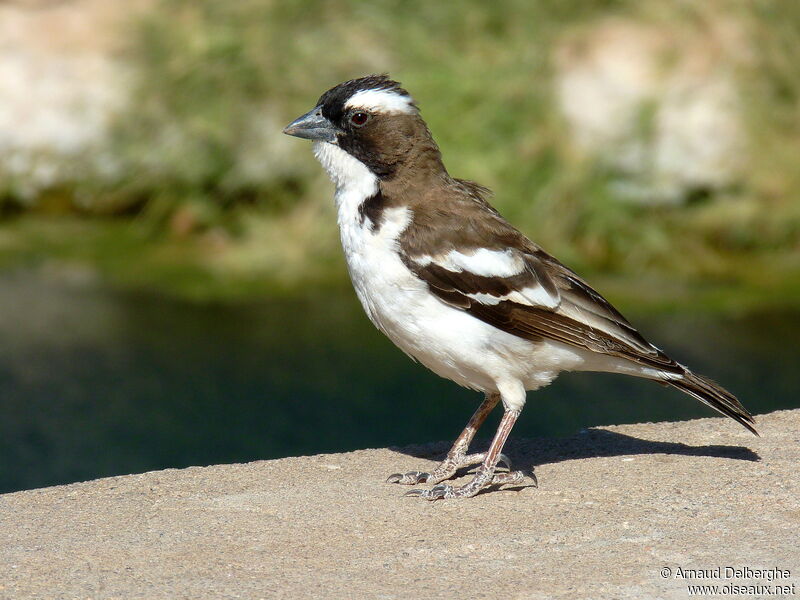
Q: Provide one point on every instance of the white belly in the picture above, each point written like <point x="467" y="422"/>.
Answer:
<point x="449" y="341"/>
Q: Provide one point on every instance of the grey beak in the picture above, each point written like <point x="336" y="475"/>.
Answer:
<point x="312" y="126"/>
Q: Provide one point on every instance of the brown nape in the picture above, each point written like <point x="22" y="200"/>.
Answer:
<point x="447" y="212"/>
<point x="399" y="148"/>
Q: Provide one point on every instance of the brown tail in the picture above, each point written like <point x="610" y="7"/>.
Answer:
<point x="716" y="397"/>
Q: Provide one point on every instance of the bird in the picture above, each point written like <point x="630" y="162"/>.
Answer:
<point x="459" y="289"/>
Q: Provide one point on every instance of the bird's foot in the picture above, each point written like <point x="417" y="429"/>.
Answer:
<point x="409" y="478"/>
<point x="445" y="470"/>
<point x="483" y="479"/>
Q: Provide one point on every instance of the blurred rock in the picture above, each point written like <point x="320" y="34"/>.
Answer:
<point x="657" y="105"/>
<point x="59" y="86"/>
<point x="66" y="80"/>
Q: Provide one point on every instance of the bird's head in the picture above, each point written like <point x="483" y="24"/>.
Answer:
<point x="372" y="119"/>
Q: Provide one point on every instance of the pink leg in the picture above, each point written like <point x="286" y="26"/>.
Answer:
<point x="457" y="457"/>
<point x="485" y="475"/>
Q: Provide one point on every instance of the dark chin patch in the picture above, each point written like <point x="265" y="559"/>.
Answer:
<point x="365" y="150"/>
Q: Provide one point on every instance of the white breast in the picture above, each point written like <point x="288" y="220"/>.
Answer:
<point x="447" y="340"/>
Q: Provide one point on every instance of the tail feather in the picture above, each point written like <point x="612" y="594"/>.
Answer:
<point x="716" y="397"/>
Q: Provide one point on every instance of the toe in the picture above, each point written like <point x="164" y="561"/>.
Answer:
<point x="410" y="478"/>
<point x="514" y="478"/>
<point x="440" y="491"/>
<point x="437" y="492"/>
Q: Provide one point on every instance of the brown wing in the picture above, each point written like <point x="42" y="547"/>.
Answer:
<point x="526" y="292"/>
<point x="472" y="259"/>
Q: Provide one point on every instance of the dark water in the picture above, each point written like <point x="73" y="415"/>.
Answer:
<point x="94" y="383"/>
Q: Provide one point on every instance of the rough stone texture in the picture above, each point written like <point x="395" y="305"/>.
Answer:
<point x="615" y="506"/>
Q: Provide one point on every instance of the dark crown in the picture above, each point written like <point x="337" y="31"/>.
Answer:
<point x="333" y="101"/>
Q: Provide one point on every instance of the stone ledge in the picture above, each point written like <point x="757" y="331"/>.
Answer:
<point x="615" y="505"/>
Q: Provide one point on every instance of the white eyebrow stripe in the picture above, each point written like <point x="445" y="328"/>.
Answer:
<point x="384" y="101"/>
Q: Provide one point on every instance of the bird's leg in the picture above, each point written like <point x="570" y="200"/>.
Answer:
<point x="485" y="474"/>
<point x="457" y="457"/>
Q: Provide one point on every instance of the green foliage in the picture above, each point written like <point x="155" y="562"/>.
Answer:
<point x="200" y="147"/>
<point x="216" y="80"/>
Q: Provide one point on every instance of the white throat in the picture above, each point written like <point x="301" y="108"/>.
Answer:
<point x="353" y="180"/>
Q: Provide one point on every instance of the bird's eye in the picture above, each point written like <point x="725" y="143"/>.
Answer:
<point x="358" y="119"/>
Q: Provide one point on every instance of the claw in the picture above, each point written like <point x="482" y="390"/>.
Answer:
<point x="410" y="478"/>
<point x="505" y="461"/>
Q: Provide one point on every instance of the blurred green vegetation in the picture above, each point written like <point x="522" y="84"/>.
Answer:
<point x="214" y="202"/>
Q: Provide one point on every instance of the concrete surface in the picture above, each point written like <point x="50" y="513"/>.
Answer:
<point x="615" y="507"/>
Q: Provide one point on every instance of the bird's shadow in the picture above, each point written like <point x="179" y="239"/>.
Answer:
<point x="590" y="443"/>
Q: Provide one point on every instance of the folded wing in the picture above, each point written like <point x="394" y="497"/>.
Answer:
<point x="527" y="293"/>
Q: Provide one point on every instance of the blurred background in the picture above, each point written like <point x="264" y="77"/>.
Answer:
<point x="172" y="290"/>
